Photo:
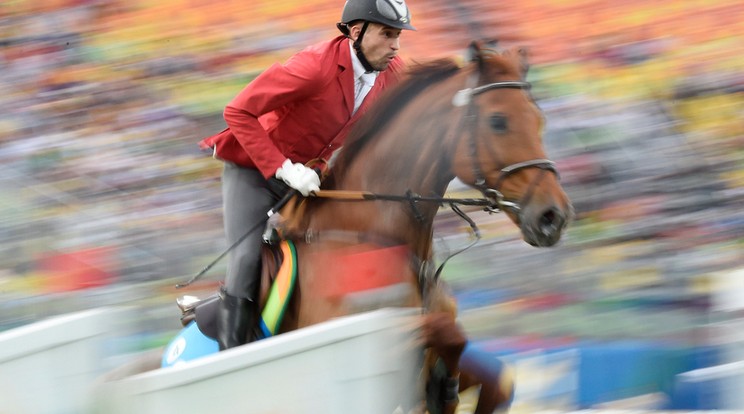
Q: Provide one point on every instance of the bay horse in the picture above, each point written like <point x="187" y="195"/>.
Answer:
<point x="365" y="240"/>
<point x="373" y="220"/>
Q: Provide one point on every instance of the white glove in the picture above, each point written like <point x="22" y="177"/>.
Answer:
<point x="299" y="177"/>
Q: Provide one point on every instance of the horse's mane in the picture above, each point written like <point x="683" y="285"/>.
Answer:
<point x="388" y="106"/>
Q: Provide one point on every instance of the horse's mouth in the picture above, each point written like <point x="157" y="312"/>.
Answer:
<point x="540" y="240"/>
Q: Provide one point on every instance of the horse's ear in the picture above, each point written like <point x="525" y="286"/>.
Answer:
<point x="474" y="52"/>
<point x="524" y="64"/>
<point x="491" y="43"/>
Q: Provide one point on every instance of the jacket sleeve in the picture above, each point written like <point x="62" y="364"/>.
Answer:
<point x="276" y="87"/>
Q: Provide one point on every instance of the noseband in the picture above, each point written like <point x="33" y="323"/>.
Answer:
<point x="499" y="202"/>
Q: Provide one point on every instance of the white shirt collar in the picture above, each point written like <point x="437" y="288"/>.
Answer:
<point x="357" y="65"/>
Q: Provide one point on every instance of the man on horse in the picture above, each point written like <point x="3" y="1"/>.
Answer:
<point x="290" y="114"/>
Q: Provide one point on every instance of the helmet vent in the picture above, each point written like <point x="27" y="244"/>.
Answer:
<point x="393" y="9"/>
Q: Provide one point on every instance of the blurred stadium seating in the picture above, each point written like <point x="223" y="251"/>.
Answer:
<point x="102" y="103"/>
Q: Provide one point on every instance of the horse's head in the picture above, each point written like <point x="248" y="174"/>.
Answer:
<point x="500" y="151"/>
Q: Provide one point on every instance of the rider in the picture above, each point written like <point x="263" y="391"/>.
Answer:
<point x="287" y="116"/>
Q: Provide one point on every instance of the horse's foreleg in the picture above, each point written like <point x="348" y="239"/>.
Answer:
<point x="446" y="341"/>
<point x="496" y="380"/>
<point x="441" y="333"/>
<point x="473" y="366"/>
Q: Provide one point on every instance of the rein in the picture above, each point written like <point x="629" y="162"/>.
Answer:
<point x="412" y="198"/>
<point x="344" y="195"/>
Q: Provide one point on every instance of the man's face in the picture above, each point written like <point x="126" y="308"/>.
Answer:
<point x="379" y="44"/>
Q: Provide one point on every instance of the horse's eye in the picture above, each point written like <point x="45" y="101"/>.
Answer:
<point x="498" y="123"/>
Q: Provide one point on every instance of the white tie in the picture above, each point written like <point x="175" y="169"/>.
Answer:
<point x="363" y="84"/>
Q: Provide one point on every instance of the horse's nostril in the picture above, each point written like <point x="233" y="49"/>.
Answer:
<point x="547" y="217"/>
<point x="544" y="229"/>
<point x="550" y="221"/>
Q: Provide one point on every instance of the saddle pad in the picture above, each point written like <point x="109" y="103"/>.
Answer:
<point x="363" y="267"/>
<point x="281" y="291"/>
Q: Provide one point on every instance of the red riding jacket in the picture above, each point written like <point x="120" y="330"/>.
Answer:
<point x="300" y="110"/>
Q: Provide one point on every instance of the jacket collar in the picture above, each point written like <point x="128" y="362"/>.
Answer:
<point x="347" y="74"/>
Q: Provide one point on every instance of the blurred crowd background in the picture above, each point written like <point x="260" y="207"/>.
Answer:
<point x="105" y="198"/>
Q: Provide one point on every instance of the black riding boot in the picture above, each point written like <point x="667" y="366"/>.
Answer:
<point x="236" y="319"/>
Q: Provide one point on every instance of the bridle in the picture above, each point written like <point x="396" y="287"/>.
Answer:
<point x="498" y="201"/>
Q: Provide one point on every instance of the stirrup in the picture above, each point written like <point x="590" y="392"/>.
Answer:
<point x="188" y="304"/>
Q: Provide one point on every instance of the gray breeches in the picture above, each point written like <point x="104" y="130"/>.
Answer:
<point x="246" y="199"/>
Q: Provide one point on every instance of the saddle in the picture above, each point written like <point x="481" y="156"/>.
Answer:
<point x="278" y="279"/>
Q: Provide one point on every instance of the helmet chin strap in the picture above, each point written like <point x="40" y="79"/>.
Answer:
<point x="358" y="48"/>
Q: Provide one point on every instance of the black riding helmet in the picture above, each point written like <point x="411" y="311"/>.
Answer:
<point x="392" y="13"/>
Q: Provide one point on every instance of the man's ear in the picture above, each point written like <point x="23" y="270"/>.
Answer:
<point x="354" y="31"/>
